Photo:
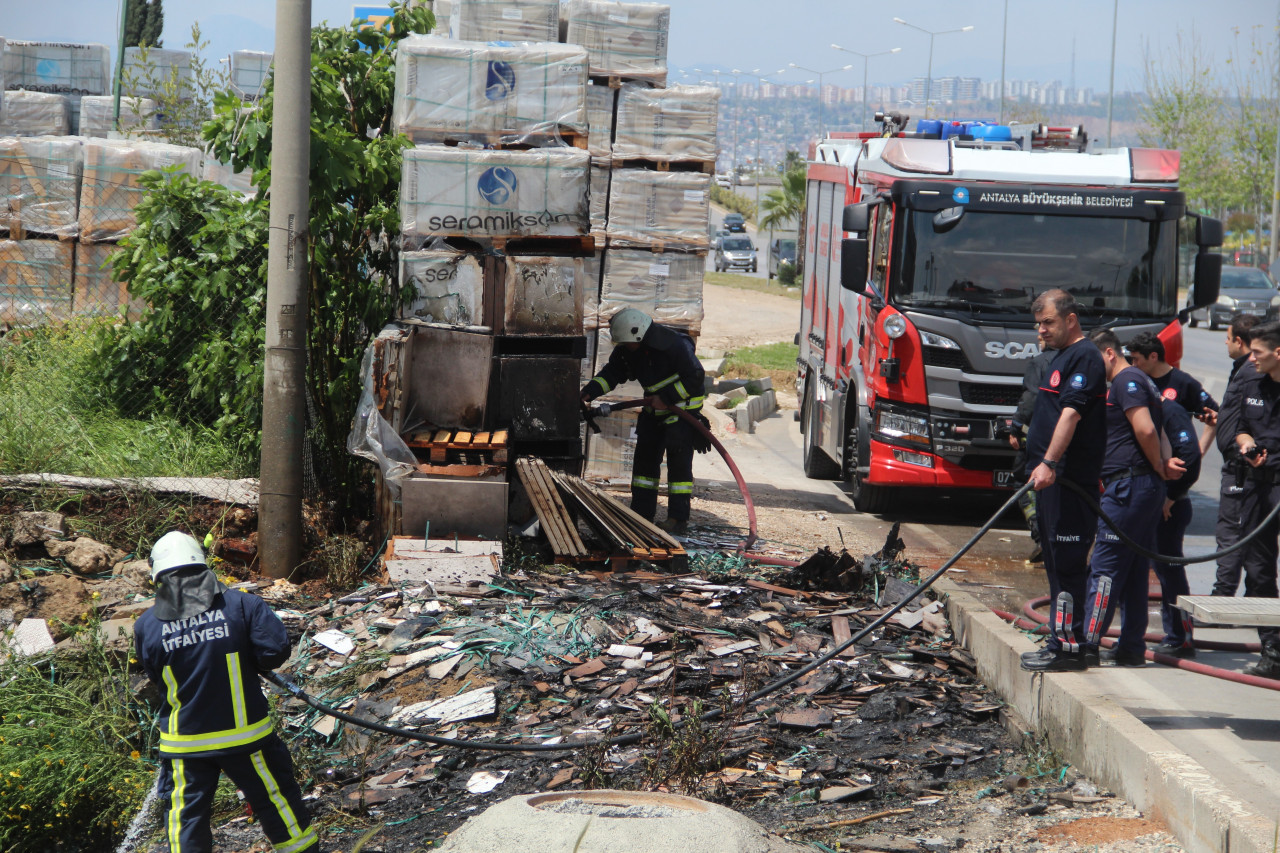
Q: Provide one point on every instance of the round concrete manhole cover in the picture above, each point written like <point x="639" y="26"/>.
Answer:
<point x="612" y="822"/>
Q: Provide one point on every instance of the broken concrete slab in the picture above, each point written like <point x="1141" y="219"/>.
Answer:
<point x="713" y="366"/>
<point x="32" y="528"/>
<point x="464" y="706"/>
<point x="737" y="394"/>
<point x="85" y="556"/>
<point x="609" y="821"/>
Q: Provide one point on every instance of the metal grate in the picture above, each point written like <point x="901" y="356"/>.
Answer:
<point x="990" y="395"/>
<point x="939" y="357"/>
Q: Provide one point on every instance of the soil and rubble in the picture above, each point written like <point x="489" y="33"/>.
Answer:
<point x="893" y="746"/>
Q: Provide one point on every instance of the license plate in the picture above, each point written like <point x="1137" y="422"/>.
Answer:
<point x="1004" y="479"/>
<point x="1256" y="312"/>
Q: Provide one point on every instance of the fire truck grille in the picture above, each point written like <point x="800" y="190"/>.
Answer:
<point x="939" y="357"/>
<point x="976" y="394"/>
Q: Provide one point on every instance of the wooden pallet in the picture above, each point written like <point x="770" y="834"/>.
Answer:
<point x="577" y="245"/>
<point x="660" y="246"/>
<point x="616" y="81"/>
<point x="706" y="167"/>
<point x="557" y="524"/>
<point x="512" y="141"/>
<point x="446" y="446"/>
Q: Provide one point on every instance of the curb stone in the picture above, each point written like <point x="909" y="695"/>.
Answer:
<point x="1105" y="741"/>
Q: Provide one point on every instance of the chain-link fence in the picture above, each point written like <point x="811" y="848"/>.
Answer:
<point x="130" y="310"/>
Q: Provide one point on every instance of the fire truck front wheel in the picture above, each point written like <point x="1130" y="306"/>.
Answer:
<point x="866" y="498"/>
<point x="817" y="464"/>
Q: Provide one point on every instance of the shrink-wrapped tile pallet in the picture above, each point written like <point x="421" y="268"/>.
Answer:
<point x="35" y="114"/>
<point x="249" y="72"/>
<point x="155" y="72"/>
<point x="667" y="125"/>
<point x="35" y="281"/>
<point x="138" y="116"/>
<point x="95" y="290"/>
<point x="505" y="20"/>
<point x="40" y="186"/>
<point x="665" y="285"/>
<point x="449" y="90"/>
<point x="111" y="189"/>
<point x="623" y="40"/>
<point x="487" y="195"/>
<point x="57" y="67"/>
<point x="659" y="210"/>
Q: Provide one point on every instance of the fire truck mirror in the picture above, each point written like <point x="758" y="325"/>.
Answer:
<point x="1208" y="277"/>
<point x="856" y="218"/>
<point x="1208" y="232"/>
<point x="947" y="218"/>
<point x="854" y="265"/>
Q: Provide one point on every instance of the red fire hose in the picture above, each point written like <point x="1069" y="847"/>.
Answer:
<point x="746" y="544"/>
<point x="1033" y="620"/>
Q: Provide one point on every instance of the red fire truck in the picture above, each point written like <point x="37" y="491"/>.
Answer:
<point x="923" y="253"/>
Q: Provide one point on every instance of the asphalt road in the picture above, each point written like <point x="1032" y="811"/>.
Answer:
<point x="762" y="244"/>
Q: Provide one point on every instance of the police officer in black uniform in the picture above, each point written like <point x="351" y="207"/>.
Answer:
<point x="1068" y="426"/>
<point x="663" y="361"/>
<point x="1252" y="411"/>
<point x="204" y="646"/>
<point x="1175" y="518"/>
<point x="1227" y="580"/>
<point x="1133" y="474"/>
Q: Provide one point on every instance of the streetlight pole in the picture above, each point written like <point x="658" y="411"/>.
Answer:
<point x="1004" y="48"/>
<point x="928" y="79"/>
<point x="866" y="57"/>
<point x="1111" y="86"/>
<point x="822" y="127"/>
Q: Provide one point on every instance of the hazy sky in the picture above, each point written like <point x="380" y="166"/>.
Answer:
<point x="769" y="34"/>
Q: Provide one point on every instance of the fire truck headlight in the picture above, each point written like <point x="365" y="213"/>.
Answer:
<point x="929" y="339"/>
<point x="902" y="426"/>
<point x="895" y="326"/>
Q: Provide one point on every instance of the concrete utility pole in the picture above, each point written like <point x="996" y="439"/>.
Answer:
<point x="283" y="401"/>
<point x="1004" y="50"/>
<point x="1275" y="166"/>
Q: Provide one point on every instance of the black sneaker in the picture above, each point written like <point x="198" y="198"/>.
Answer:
<point x="1183" y="651"/>
<point x="1116" y="657"/>
<point x="1056" y="661"/>
<point x="1091" y="658"/>
<point x="1043" y="652"/>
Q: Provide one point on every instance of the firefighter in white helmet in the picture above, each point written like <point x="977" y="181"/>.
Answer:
<point x="204" y="645"/>
<point x="662" y="359"/>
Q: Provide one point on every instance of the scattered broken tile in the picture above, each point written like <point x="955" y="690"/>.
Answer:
<point x="484" y="781"/>
<point x="591" y="667"/>
<point x="805" y="718"/>
<point x="440" y="670"/>
<point x="734" y="648"/>
<point x="336" y="641"/>
<point x="625" y="651"/>
<point x="840" y="793"/>
<point x="464" y="706"/>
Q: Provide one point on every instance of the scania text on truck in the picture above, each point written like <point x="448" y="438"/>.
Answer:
<point x="923" y="252"/>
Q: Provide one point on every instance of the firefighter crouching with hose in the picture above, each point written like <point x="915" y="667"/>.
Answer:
<point x="204" y="646"/>
<point x="662" y="359"/>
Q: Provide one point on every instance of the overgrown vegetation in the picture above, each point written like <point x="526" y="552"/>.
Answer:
<point x="183" y="103"/>
<point x="72" y="748"/>
<point x="57" y="415"/>
<point x="733" y="201"/>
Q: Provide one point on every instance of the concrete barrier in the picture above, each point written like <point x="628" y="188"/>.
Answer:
<point x="1105" y="741"/>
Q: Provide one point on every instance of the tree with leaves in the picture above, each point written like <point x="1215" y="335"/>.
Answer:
<point x="784" y="205"/>
<point x="143" y="23"/>
<point x="183" y="103"/>
<point x="352" y="253"/>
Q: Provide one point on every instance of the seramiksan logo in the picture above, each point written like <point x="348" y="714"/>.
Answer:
<point x="500" y="81"/>
<point x="1012" y="349"/>
<point x="497" y="185"/>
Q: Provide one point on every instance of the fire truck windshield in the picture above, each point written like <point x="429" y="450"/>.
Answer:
<point x="997" y="263"/>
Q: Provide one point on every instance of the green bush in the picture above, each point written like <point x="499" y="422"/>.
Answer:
<point x="57" y="415"/>
<point x="733" y="201"/>
<point x="787" y="275"/>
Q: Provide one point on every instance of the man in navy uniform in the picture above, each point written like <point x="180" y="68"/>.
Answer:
<point x="1252" y="410"/>
<point x="663" y="360"/>
<point x="1133" y="472"/>
<point x="204" y="645"/>
<point x="1068" y="426"/>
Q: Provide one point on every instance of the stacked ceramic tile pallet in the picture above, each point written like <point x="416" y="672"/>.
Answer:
<point x="653" y="151"/>
<point x="495" y="230"/>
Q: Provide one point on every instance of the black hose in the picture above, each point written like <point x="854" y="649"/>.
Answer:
<point x="636" y="737"/>
<point x="1092" y="503"/>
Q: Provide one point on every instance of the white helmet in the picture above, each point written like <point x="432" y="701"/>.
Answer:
<point x="629" y="325"/>
<point x="175" y="550"/>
